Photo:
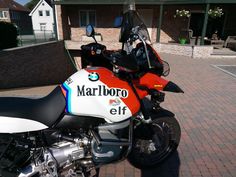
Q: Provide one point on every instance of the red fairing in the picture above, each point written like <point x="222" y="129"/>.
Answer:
<point x="150" y="81"/>
<point x="153" y="50"/>
<point x="108" y="78"/>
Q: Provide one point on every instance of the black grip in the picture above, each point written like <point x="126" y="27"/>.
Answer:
<point x="85" y="47"/>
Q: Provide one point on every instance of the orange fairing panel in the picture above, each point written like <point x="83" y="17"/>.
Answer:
<point x="141" y="93"/>
<point x="108" y="78"/>
<point x="152" y="81"/>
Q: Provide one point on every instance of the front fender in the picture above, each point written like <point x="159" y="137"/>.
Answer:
<point x="143" y="130"/>
<point x="155" y="114"/>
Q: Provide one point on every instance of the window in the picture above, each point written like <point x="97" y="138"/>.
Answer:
<point x="40" y="13"/>
<point x="3" y="14"/>
<point x="42" y="26"/>
<point x="47" y="13"/>
<point x="87" y="17"/>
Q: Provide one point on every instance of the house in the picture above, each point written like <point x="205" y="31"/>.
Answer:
<point x="159" y="16"/>
<point x="42" y="17"/>
<point x="11" y="11"/>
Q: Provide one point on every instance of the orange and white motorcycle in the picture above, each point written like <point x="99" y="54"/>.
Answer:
<point x="96" y="117"/>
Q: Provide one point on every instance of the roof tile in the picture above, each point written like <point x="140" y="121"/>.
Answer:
<point x="12" y="5"/>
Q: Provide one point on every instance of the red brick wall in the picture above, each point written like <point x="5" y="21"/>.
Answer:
<point x="106" y="14"/>
<point x="62" y="22"/>
<point x="105" y="17"/>
<point x="36" y="65"/>
<point x="59" y="22"/>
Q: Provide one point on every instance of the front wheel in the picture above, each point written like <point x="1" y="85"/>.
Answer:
<point x="155" y="143"/>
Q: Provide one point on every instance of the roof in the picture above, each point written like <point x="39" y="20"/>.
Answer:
<point x="49" y="2"/>
<point x="144" y="1"/>
<point x="38" y="4"/>
<point x="12" y="5"/>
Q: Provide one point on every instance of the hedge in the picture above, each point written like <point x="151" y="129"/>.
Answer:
<point x="8" y="35"/>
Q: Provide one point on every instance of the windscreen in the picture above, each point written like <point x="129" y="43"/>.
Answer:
<point x="131" y="19"/>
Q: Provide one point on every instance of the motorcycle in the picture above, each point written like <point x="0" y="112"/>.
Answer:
<point x="96" y="117"/>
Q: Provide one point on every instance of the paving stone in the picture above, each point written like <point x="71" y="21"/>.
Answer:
<point x="206" y="113"/>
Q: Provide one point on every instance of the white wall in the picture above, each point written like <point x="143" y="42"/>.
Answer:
<point x="36" y="19"/>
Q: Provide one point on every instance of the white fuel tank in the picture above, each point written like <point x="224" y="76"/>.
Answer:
<point x="97" y="92"/>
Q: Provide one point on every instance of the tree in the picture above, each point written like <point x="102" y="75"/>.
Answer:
<point x="8" y="35"/>
<point x="30" y="5"/>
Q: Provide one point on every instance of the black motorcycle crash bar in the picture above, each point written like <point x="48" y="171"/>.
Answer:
<point x="111" y="143"/>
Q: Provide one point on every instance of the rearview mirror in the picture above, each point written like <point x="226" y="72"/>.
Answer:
<point x="118" y="22"/>
<point x="89" y="30"/>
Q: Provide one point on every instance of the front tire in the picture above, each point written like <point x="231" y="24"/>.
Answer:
<point x="161" y="140"/>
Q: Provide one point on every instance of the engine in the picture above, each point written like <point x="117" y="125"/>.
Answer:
<point x="72" y="153"/>
<point x="61" y="155"/>
<point x="70" y="158"/>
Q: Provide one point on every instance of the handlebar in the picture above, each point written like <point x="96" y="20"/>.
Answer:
<point x="96" y="49"/>
<point x="93" y="49"/>
<point x="112" y="56"/>
<point x="122" y="60"/>
<point x="85" y="47"/>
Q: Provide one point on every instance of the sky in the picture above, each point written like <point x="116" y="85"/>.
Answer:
<point x="22" y="2"/>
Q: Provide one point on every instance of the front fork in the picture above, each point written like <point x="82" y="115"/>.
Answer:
<point x="142" y="123"/>
<point x="150" y="104"/>
<point x="157" y="98"/>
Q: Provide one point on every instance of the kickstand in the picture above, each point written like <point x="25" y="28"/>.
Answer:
<point x="97" y="172"/>
<point x="88" y="174"/>
<point x="85" y="173"/>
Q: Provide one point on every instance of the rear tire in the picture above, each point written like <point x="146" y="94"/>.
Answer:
<point x="156" y="145"/>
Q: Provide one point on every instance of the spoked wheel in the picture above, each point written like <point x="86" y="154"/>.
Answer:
<point x="159" y="140"/>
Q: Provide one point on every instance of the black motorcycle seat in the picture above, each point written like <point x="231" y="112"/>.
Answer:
<point x="46" y="110"/>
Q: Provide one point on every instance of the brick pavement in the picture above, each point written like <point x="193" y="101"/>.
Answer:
<point x="207" y="115"/>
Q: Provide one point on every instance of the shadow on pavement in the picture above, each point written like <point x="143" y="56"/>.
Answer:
<point x="169" y="168"/>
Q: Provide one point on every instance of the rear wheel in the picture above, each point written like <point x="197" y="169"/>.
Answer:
<point x="161" y="138"/>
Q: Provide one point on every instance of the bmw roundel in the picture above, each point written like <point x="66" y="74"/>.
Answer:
<point x="93" y="76"/>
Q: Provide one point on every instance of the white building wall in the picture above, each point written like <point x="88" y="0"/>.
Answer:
<point x="37" y="20"/>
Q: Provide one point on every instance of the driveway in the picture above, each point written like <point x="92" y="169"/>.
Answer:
<point x="207" y="115"/>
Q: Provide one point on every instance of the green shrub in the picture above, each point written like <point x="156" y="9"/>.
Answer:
<point x="8" y="35"/>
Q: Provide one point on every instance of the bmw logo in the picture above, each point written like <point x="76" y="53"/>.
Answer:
<point x="93" y="76"/>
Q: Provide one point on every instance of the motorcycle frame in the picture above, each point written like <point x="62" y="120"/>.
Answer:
<point x="128" y="143"/>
